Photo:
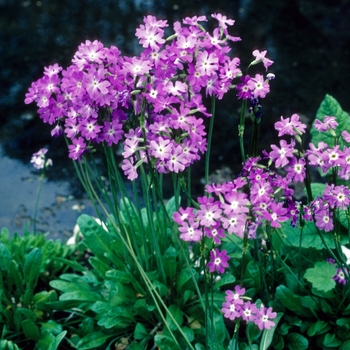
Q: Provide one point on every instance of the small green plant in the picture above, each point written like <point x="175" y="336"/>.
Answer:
<point x="27" y="264"/>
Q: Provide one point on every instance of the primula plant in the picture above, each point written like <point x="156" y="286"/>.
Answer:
<point x="248" y="264"/>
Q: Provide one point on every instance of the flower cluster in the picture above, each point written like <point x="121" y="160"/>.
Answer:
<point x="237" y="207"/>
<point x="149" y="103"/>
<point x="323" y="158"/>
<point x="39" y="160"/>
<point x="236" y="307"/>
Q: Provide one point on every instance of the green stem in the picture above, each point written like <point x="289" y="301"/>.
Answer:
<point x="210" y="136"/>
<point x="42" y="176"/>
<point x="241" y="127"/>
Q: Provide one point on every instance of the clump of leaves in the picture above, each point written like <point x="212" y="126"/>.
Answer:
<point x="27" y="264"/>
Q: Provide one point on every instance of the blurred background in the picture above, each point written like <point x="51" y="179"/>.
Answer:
<point x="309" y="41"/>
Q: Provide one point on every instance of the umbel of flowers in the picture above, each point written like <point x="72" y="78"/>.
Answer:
<point x="151" y="103"/>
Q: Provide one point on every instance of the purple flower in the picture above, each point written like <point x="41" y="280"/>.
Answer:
<point x="258" y="86"/>
<point x="244" y="90"/>
<point x="249" y="311"/>
<point x="260" y="57"/>
<point x="324" y="220"/>
<point x="190" y="231"/>
<point x="328" y="123"/>
<point x="296" y="170"/>
<point x="209" y="211"/>
<point x="77" y="148"/>
<point x="218" y="261"/>
<point x="263" y="318"/>
<point x="276" y="214"/>
<point x="232" y="308"/>
<point x="340" y="276"/>
<point x="280" y="155"/>
<point x="290" y="126"/>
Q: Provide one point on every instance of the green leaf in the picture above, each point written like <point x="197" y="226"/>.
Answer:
<point x="73" y="264"/>
<point x="253" y="272"/>
<point x="188" y="332"/>
<point x="290" y="300"/>
<point x="331" y="341"/>
<point x="14" y="275"/>
<point x="101" y="267"/>
<point x="296" y="341"/>
<point x="171" y="206"/>
<point x="52" y="327"/>
<point x="30" y="329"/>
<point x="40" y="299"/>
<point x="95" y="237"/>
<point x="56" y="342"/>
<point x="267" y="336"/>
<point x="80" y="295"/>
<point x="65" y="286"/>
<point x="185" y="281"/>
<point x="32" y="266"/>
<point x="224" y="280"/>
<point x="330" y="107"/>
<point x="169" y="260"/>
<point x="165" y="342"/>
<point x="140" y="331"/>
<point x="119" y="276"/>
<point x="143" y="310"/>
<point x="28" y="314"/>
<point x="321" y="276"/>
<point x="219" y="326"/>
<point x="177" y="314"/>
<point x="100" y="307"/>
<point x="310" y="237"/>
<point x="345" y="345"/>
<point x="5" y="257"/>
<point x="253" y="332"/>
<point x="318" y="327"/>
<point x="93" y="340"/>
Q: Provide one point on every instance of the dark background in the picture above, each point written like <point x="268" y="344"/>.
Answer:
<point x="309" y="41"/>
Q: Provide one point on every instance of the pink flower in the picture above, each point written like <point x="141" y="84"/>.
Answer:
<point x="207" y="64"/>
<point x="218" y="261"/>
<point x="280" y="155"/>
<point x="328" y="123"/>
<point x="223" y="20"/>
<point x="190" y="231"/>
<point x="290" y="126"/>
<point x="258" y="86"/>
<point x="346" y="136"/>
<point x="263" y="319"/>
<point x="77" y="148"/>
<point x="276" y="214"/>
<point x="260" y="57"/>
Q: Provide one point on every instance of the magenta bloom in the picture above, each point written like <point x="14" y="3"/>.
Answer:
<point x="324" y="220"/>
<point x="296" y="169"/>
<point x="207" y="64"/>
<point x="190" y="231"/>
<point x="263" y="319"/>
<point x="260" y="57"/>
<point x="249" y="311"/>
<point x="259" y="86"/>
<point x="244" y="90"/>
<point x="218" y="261"/>
<point x="290" y="126"/>
<point x="276" y="214"/>
<point x="328" y="123"/>
<point x="280" y="155"/>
